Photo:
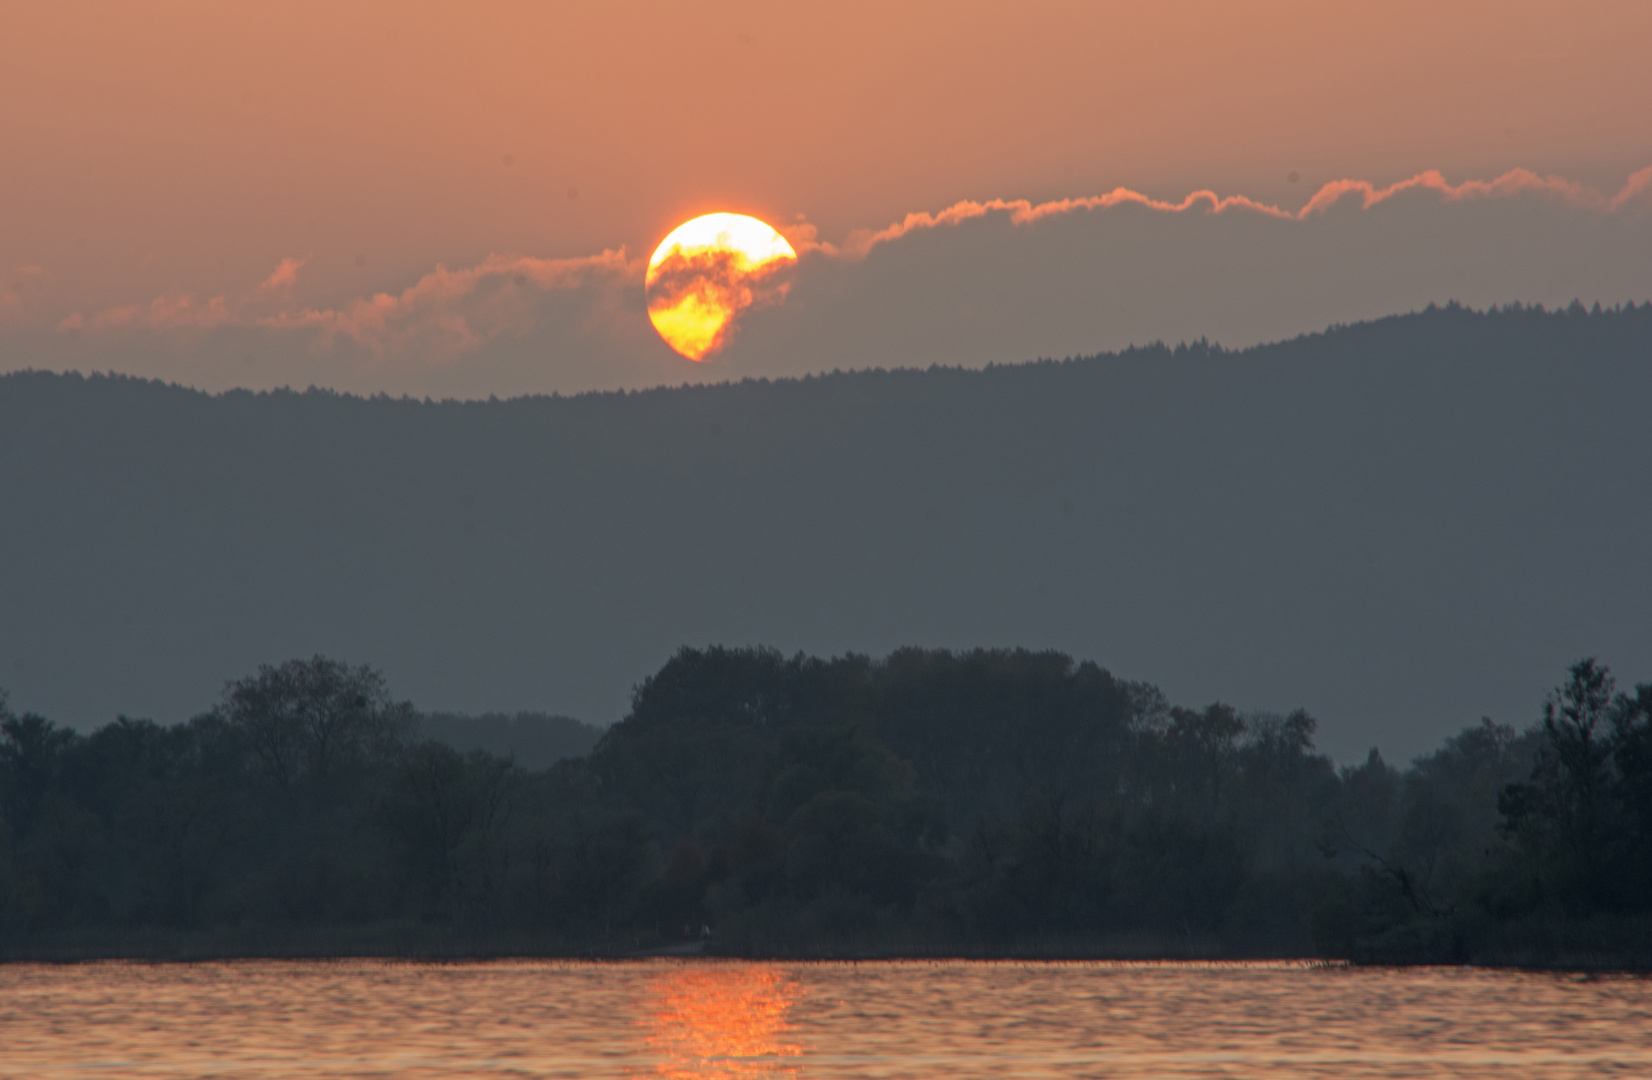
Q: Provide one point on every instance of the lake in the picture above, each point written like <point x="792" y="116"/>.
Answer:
<point x="727" y="1019"/>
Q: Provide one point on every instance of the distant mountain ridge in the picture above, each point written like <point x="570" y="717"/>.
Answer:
<point x="1401" y="525"/>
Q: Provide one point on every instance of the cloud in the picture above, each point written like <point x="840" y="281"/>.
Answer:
<point x="1512" y="183"/>
<point x="449" y="312"/>
<point x="859" y="243"/>
<point x="185" y="311"/>
<point x="284" y="275"/>
<point x="173" y="311"/>
<point x="1638" y="188"/>
<point x="443" y="315"/>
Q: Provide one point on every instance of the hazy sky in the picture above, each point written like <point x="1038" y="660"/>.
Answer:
<point x="456" y="199"/>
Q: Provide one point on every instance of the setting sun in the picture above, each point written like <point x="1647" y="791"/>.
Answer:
<point x="707" y="272"/>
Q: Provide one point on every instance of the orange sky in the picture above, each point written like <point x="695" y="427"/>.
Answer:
<point x="187" y="140"/>
<point x="192" y="146"/>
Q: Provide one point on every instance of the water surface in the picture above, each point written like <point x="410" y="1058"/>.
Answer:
<point x="692" y="1019"/>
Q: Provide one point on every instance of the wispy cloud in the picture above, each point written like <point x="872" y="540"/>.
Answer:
<point x="1512" y="183"/>
<point x="443" y="314"/>
<point x="284" y="276"/>
<point x="1024" y="212"/>
<point x="452" y="311"/>
<point x="1638" y="188"/>
<point x="173" y="311"/>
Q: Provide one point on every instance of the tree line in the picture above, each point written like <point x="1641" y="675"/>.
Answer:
<point x="969" y="803"/>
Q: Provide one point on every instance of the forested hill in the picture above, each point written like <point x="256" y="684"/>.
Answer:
<point x="1401" y="525"/>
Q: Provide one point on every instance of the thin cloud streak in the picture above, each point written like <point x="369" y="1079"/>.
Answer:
<point x="443" y="314"/>
<point x="173" y="311"/>
<point x="859" y="243"/>
<point x="459" y="309"/>
<point x="284" y="275"/>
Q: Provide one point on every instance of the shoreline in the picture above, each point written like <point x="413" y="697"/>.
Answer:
<point x="191" y="949"/>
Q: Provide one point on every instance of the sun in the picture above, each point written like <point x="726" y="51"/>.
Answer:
<point x="707" y="272"/>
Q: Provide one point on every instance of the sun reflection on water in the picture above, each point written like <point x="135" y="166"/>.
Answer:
<point x="722" y="1021"/>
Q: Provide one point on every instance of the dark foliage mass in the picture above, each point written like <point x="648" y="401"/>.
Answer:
<point x="987" y="802"/>
<point x="532" y="740"/>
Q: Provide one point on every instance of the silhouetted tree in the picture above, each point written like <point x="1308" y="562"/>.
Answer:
<point x="1202" y="748"/>
<point x="1632" y="758"/>
<point x="308" y="720"/>
<point x="1563" y="813"/>
<point x="446" y="813"/>
<point x="32" y="753"/>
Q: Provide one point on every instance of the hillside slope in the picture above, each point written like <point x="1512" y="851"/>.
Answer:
<point x="1400" y="525"/>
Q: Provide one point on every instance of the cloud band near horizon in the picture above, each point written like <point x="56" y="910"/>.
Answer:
<point x="447" y="314"/>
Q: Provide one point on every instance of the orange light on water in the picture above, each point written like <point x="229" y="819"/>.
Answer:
<point x="722" y="1022"/>
<point x="708" y="271"/>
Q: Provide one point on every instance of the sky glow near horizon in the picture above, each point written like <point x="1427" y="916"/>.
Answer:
<point x="515" y="321"/>
<point x="428" y="199"/>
